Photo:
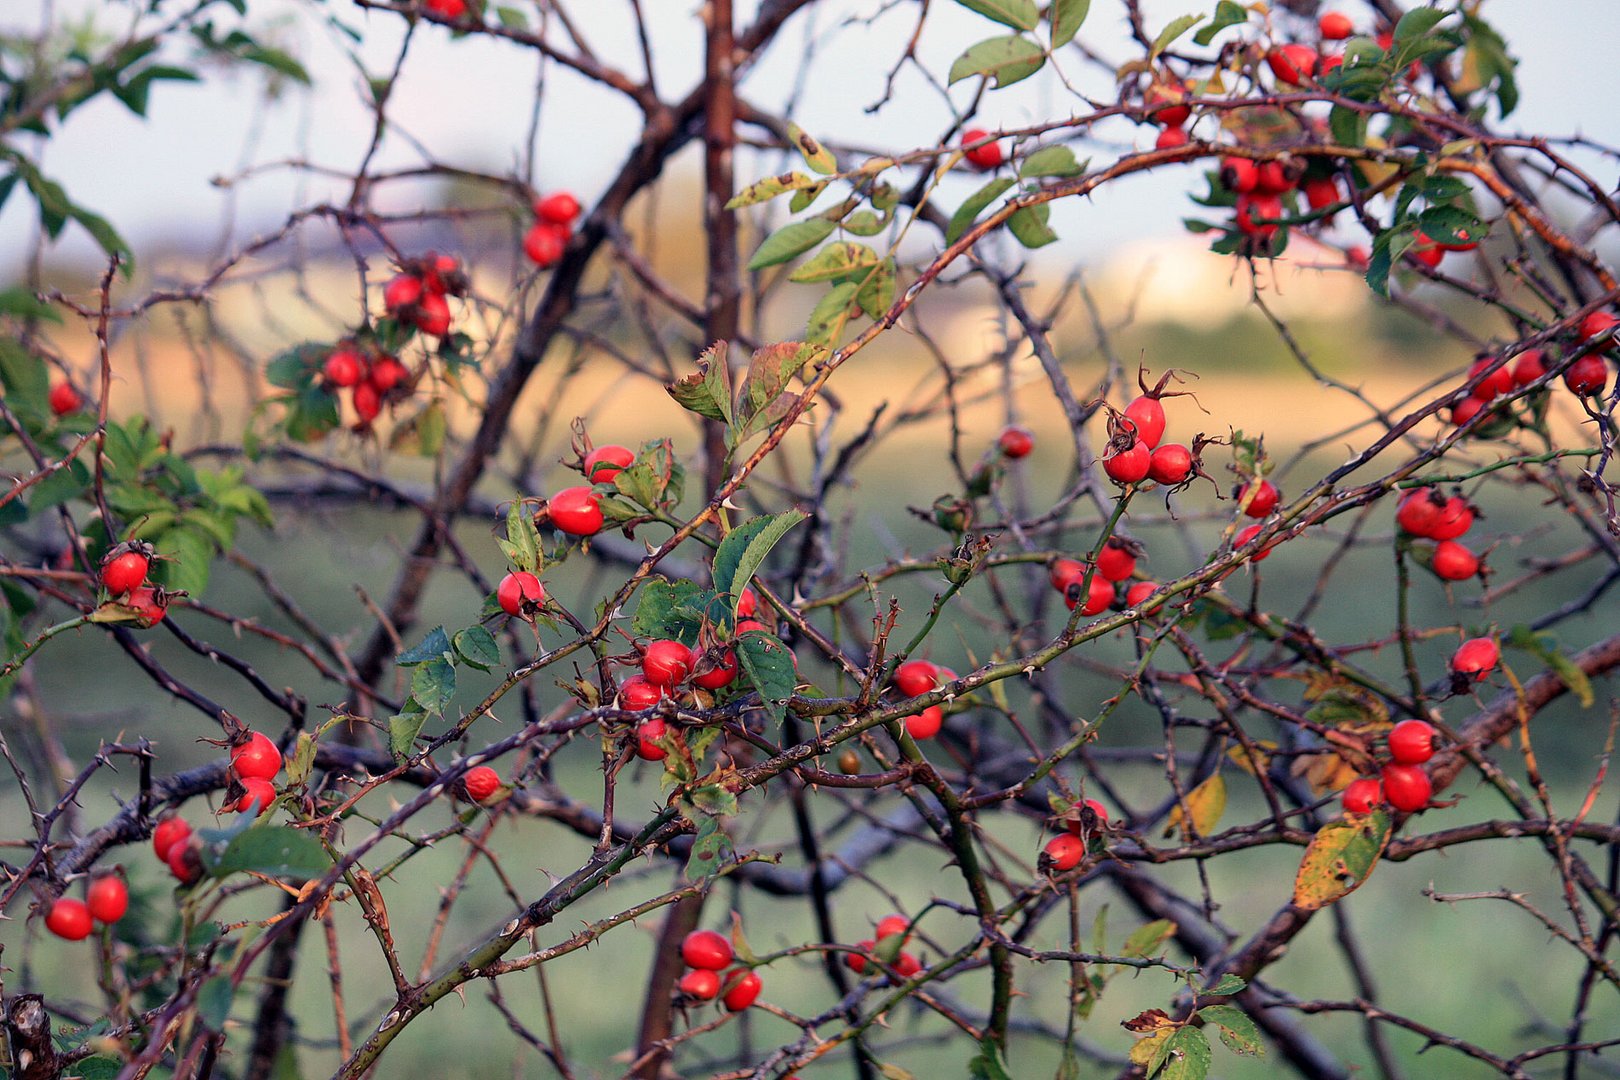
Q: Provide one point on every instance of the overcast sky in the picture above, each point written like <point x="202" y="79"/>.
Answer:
<point x="468" y="99"/>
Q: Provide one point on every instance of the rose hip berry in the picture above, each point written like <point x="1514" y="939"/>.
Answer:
<point x="1496" y="383"/>
<point x="402" y="291"/>
<point x="986" y="157"/>
<point x="169" y="832"/>
<point x="638" y="692"/>
<point x="1453" y="562"/>
<point x="480" y="783"/>
<point x="1456" y="517"/>
<point x="520" y="593"/>
<point x="185" y="863"/>
<point x="1362" y="795"/>
<point x="647" y="736"/>
<point x="926" y="724"/>
<point x="666" y="662"/>
<point x="1293" y="63"/>
<point x="1128" y="466"/>
<point x="367" y="404"/>
<point x="1171" y="137"/>
<point x="1530" y="366"/>
<point x="1420" y="512"/>
<point x="1335" y="25"/>
<point x="1116" y="561"/>
<point x="715" y="669"/>
<point x="1476" y="658"/>
<point x="545" y="243"/>
<point x="742" y="990"/>
<point x="1015" y="442"/>
<point x="1257" y="215"/>
<point x="257" y="758"/>
<point x="1411" y="742"/>
<point x="890" y="925"/>
<point x="575" y="511"/>
<point x="559" y="208"/>
<point x="69" y="918"/>
<point x="1407" y="787"/>
<point x="433" y="315"/>
<point x="1138" y="593"/>
<point x="1170" y="465"/>
<point x="257" y="796"/>
<point x="916" y="677"/>
<point x="1239" y="175"/>
<point x="1597" y="325"/>
<point x="605" y="462"/>
<point x="700" y="985"/>
<point x="709" y="950"/>
<point x="1146" y="414"/>
<point x="386" y="373"/>
<point x="343" y="368"/>
<point x="1587" y="376"/>
<point x="1062" y="852"/>
<point x="107" y="898"/>
<point x="1098" y="597"/>
<point x="1258" y="498"/>
<point x="125" y="573"/>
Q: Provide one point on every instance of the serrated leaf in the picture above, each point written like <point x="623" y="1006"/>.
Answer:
<point x="302" y="759"/>
<point x="1416" y="23"/>
<point x="744" y="549"/>
<point x="1227" y="14"/>
<point x="1144" y="1049"/>
<point x="187" y="555"/>
<point x="1238" y="1031"/>
<point x="769" y="188"/>
<point x="1451" y="225"/>
<point x="802" y="199"/>
<point x="675" y="610"/>
<point x="973" y="206"/>
<point x="711" y="850"/>
<point x="1227" y="985"/>
<point x="1050" y="161"/>
<point x="830" y="315"/>
<point x="836" y="260"/>
<point x="988" y="1063"/>
<point x="1170" y="33"/>
<point x="1029" y="228"/>
<point x="877" y="290"/>
<point x="1202" y="808"/>
<point x="274" y="851"/>
<point x="818" y="157"/>
<point x="433" y="684"/>
<point x="214" y="999"/>
<point x="789" y="242"/>
<point x="714" y="800"/>
<point x="1067" y="16"/>
<point x="769" y="667"/>
<point x="1146" y="940"/>
<point x="1339" y="858"/>
<point x="1069" y="1067"/>
<point x="1018" y="14"/>
<point x="1185" y="1055"/>
<point x="403" y="728"/>
<point x="707" y="391"/>
<point x="1003" y="60"/>
<point x="477" y="646"/>
<point x="433" y="647"/>
<point x="522" y="547"/>
<point x="1349" y="126"/>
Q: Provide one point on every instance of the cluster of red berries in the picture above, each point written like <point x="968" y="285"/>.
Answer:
<point x="254" y="764"/>
<point x="1133" y="453"/>
<point x="1430" y="515"/>
<point x="369" y="378"/>
<point x="175" y="847"/>
<point x="667" y="665"/>
<point x="1116" y="564"/>
<point x="548" y="238"/>
<point x="982" y="155"/>
<point x="1167" y="97"/>
<point x="416" y="295"/>
<point x="123" y="575"/>
<point x="890" y="927"/>
<point x="707" y="954"/>
<point x="919" y="677"/>
<point x="1067" y="849"/>
<point x="105" y="902"/>
<point x="1402" y="783"/>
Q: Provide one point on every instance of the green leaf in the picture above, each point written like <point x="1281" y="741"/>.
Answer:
<point x="744" y="549"/>
<point x="836" y="260"/>
<point x="274" y="851"/>
<point x="675" y="610"/>
<point x="1067" y="16"/>
<point x="476" y="645"/>
<point x="1227" y="14"/>
<point x="769" y="667"/>
<point x="988" y="1064"/>
<point x="830" y="315"/>
<point x="877" y="289"/>
<point x="522" y="544"/>
<point x="714" y="800"/>
<point x="107" y="237"/>
<point x="510" y="17"/>
<point x="276" y="60"/>
<point x="403" y="728"/>
<point x="1240" y="1033"/>
<point x="707" y="391"/>
<point x="433" y="684"/>
<point x="102" y="1068"/>
<point x="1227" y="985"/>
<point x="818" y="157"/>
<point x="1003" y="60"/>
<point x="711" y="850"/>
<point x="1348" y="126"/>
<point x="789" y="242"/>
<point x="1339" y="858"/>
<point x="770" y="187"/>
<point x="23" y="304"/>
<point x="1417" y="23"/>
<point x="1451" y="225"/>
<point x="436" y="646"/>
<point x="301" y="762"/>
<point x="769" y="371"/>
<point x="1148" y="940"/>
<point x="1028" y="226"/>
<point x="1170" y="33"/>
<point x="187" y="554"/>
<point x="973" y="206"/>
<point x="295" y="369"/>
<point x="214" y="999"/>
<point x="1183" y="1056"/>
<point x="1018" y="14"/>
<point x="1050" y="161"/>
<point x="1544" y="646"/>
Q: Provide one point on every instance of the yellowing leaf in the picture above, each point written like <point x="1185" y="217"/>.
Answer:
<point x="1204" y="805"/>
<point x="1340" y="857"/>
